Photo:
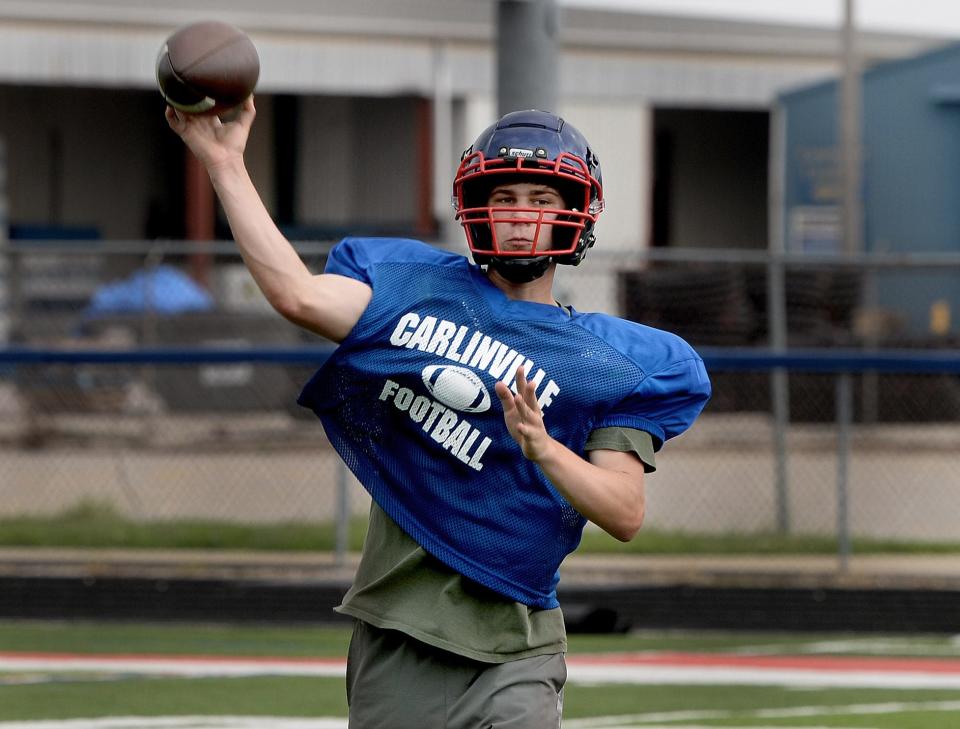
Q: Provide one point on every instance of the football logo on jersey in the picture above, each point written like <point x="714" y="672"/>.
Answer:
<point x="457" y="387"/>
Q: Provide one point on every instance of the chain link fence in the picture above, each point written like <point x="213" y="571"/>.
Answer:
<point x="162" y="437"/>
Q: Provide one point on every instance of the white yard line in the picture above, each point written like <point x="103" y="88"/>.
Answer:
<point x="906" y="646"/>
<point x="567" y="724"/>
<point x="218" y="722"/>
<point x="651" y="719"/>
<point x="684" y="726"/>
<point x="581" y="670"/>
<point x="159" y="666"/>
<point x="637" y="721"/>
<point x="182" y="722"/>
<point x="730" y="675"/>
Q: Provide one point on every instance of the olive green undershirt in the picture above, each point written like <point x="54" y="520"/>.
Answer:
<point x="399" y="586"/>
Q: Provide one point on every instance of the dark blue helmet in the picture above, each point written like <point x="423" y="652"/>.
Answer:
<point x="539" y="148"/>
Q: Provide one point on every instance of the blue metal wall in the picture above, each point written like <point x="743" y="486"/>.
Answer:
<point x="911" y="173"/>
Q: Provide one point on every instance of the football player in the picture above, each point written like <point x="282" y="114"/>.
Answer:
<point x="488" y="421"/>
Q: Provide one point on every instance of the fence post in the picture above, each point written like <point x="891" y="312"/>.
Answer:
<point x="870" y="301"/>
<point x="844" y="395"/>
<point x="6" y="276"/>
<point x="777" y="315"/>
<point x="343" y="514"/>
<point x="780" y="389"/>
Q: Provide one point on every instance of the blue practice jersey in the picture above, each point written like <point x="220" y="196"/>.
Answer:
<point x="408" y="401"/>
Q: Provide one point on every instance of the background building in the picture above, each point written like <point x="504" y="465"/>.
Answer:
<point x="363" y="110"/>
<point x="911" y="151"/>
<point x="355" y="96"/>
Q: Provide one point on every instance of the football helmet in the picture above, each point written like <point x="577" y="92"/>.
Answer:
<point x="533" y="147"/>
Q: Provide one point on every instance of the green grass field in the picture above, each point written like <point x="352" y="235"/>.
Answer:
<point x="100" y="525"/>
<point x="36" y="695"/>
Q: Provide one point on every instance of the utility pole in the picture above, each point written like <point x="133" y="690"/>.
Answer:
<point x="851" y="204"/>
<point x="852" y="216"/>
<point x="6" y="274"/>
<point x="527" y="55"/>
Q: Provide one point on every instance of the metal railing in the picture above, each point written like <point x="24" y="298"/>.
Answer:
<point x="849" y="430"/>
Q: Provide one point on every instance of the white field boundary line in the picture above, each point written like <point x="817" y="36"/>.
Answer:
<point x="635" y="721"/>
<point x="650" y="720"/>
<point x="650" y="669"/>
<point x="269" y="722"/>
<point x="720" y="676"/>
<point x="180" y="666"/>
<point x="182" y="722"/>
<point x="567" y="724"/>
<point x="791" y="712"/>
<point x="904" y="647"/>
<point x="684" y="726"/>
<point x="214" y="722"/>
<point x="794" y="671"/>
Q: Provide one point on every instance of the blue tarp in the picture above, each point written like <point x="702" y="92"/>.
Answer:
<point x="164" y="290"/>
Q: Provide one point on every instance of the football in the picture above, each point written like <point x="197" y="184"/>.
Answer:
<point x="457" y="388"/>
<point x="207" y="68"/>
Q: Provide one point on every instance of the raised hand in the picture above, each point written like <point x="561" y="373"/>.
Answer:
<point x="215" y="143"/>
<point x="523" y="417"/>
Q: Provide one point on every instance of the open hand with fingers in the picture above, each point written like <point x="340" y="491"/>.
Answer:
<point x="523" y="417"/>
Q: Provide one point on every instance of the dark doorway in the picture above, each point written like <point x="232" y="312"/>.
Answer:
<point x="710" y="178"/>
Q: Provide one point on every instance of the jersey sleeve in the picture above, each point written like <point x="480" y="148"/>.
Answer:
<point x="357" y="257"/>
<point x="625" y="440"/>
<point x="351" y="257"/>
<point x="665" y="403"/>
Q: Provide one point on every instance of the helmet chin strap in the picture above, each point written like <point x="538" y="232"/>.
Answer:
<point x="520" y="270"/>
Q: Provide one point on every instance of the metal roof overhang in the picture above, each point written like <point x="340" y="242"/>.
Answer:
<point x="373" y="47"/>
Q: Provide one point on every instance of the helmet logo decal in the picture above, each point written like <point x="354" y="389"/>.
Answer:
<point x="517" y="152"/>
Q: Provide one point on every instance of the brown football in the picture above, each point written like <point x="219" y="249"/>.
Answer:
<point x="207" y="68"/>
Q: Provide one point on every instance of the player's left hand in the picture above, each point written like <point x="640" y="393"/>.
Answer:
<point x="523" y="417"/>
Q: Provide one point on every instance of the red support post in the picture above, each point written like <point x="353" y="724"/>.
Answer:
<point x="199" y="215"/>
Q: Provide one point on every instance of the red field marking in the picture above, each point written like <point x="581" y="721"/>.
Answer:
<point x="681" y="659"/>
<point x="636" y="668"/>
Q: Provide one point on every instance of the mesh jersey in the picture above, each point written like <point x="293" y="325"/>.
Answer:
<point x="407" y="400"/>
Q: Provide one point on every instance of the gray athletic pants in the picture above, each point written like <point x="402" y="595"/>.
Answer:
<point x="396" y="682"/>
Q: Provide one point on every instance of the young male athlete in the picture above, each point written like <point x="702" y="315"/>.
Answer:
<point x="488" y="422"/>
